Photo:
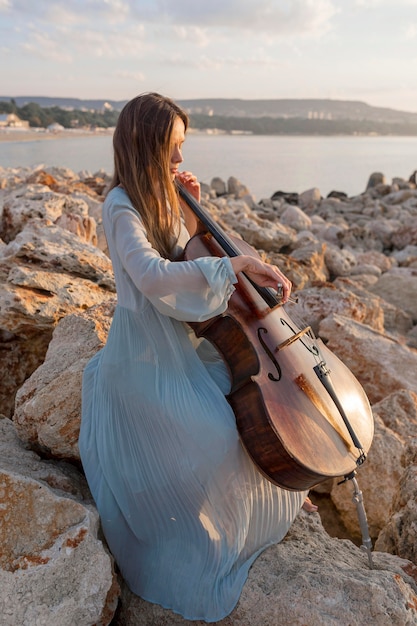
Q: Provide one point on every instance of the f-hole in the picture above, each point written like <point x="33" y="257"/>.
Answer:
<point x="274" y="377"/>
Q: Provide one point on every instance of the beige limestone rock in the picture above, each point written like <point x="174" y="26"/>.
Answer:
<point x="383" y="466"/>
<point x="53" y="567"/>
<point x="236" y="188"/>
<point x="304" y="266"/>
<point x="84" y="227"/>
<point x="311" y="257"/>
<point x="339" y="262"/>
<point x="367" y="270"/>
<point x="37" y="202"/>
<point x="317" y="302"/>
<point x="309" y="198"/>
<point x="295" y="218"/>
<point x="311" y="579"/>
<point x="399" y="287"/>
<point x="406" y="235"/>
<point x="373" y="257"/>
<point x="380" y="363"/>
<point x="56" y="249"/>
<point x="219" y="186"/>
<point x="48" y="404"/>
<point x="395" y="320"/>
<point x="407" y="257"/>
<point x="398" y="411"/>
<point x="261" y="233"/>
<point x="383" y="229"/>
<point x="34" y="300"/>
<point x="46" y="272"/>
<point x="19" y="358"/>
<point x="400" y="532"/>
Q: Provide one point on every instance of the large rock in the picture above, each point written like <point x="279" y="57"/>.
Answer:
<point x="381" y="363"/>
<point x="295" y="218"/>
<point x="399" y="413"/>
<point x="375" y="179"/>
<point x="318" y="302"/>
<point x="399" y="287"/>
<point x="406" y="235"/>
<point x="389" y="463"/>
<point x="339" y="262"/>
<point x="256" y="230"/>
<point x="55" y="249"/>
<point x="47" y="271"/>
<point x="19" y="358"/>
<point x="399" y="534"/>
<point x="304" y="267"/>
<point x="310" y="257"/>
<point x="395" y="320"/>
<point x="48" y="405"/>
<point x="383" y="466"/>
<point x="53" y="567"/>
<point x="39" y="202"/>
<point x="309" y="578"/>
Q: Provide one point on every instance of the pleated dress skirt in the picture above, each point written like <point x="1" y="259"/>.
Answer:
<point x="183" y="508"/>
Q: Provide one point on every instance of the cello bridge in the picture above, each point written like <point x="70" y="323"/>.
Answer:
<point x="290" y="340"/>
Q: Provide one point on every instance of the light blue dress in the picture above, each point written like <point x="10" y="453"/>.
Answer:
<point x="183" y="509"/>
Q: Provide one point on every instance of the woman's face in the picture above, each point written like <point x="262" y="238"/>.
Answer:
<point x="176" y="142"/>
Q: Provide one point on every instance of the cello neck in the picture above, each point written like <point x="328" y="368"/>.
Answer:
<point x="205" y="218"/>
<point x="226" y="243"/>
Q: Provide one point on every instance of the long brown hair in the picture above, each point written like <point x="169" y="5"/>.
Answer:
<point x="142" y="152"/>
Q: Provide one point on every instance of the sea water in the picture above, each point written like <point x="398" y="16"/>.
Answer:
<point x="265" y="164"/>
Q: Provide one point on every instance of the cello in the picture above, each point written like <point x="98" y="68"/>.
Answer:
<point x="301" y="414"/>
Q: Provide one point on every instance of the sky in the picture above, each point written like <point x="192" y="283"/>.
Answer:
<point x="251" y="49"/>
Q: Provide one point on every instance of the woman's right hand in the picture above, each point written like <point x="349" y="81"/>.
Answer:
<point x="191" y="184"/>
<point x="263" y="274"/>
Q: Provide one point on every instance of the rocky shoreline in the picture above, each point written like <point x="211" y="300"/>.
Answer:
<point x="353" y="263"/>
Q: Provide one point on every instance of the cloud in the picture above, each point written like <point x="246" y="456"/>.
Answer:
<point x="192" y="34"/>
<point x="65" y="44"/>
<point x="115" y="43"/>
<point x="111" y="29"/>
<point x="137" y="77"/>
<point x="202" y="63"/>
<point x="411" y="31"/>
<point x="69" y="11"/>
<point x="280" y="16"/>
<point x="370" y="4"/>
<point x="43" y="46"/>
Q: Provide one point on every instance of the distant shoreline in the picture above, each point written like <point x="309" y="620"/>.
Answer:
<point x="42" y="135"/>
<point x="18" y="135"/>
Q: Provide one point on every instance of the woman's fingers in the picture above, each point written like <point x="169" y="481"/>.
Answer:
<point x="190" y="182"/>
<point x="267" y="275"/>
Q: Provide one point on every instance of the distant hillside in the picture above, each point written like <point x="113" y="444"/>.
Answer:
<point x="64" y="103"/>
<point x="300" y="108"/>
<point x="317" y="109"/>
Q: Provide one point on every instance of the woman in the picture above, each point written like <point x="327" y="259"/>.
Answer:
<point x="183" y="508"/>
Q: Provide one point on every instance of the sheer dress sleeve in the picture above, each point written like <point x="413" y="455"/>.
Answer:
<point x="190" y="291"/>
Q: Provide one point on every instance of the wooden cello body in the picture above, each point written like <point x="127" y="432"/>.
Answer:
<point x="301" y="414"/>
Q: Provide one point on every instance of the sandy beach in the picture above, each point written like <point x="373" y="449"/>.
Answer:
<point x="8" y="135"/>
